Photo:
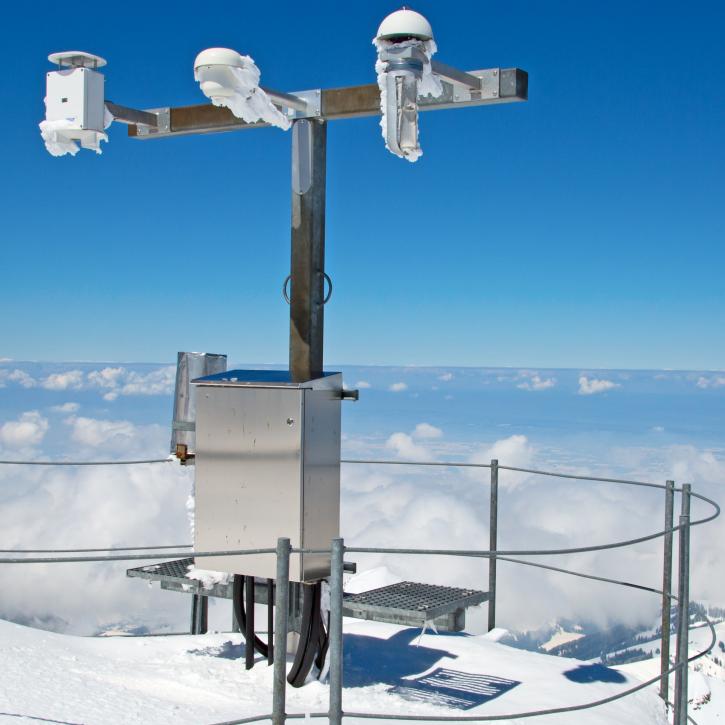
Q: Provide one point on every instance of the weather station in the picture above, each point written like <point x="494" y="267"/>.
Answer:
<point x="266" y="444"/>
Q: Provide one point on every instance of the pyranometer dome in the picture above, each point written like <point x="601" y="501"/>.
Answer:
<point x="218" y="56"/>
<point x="405" y="23"/>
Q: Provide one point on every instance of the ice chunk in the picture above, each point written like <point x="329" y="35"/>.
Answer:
<point x="239" y="91"/>
<point x="208" y="578"/>
<point x="62" y="137"/>
<point x="428" y="85"/>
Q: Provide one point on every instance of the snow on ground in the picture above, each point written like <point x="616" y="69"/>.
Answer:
<point x="50" y="677"/>
<point x="560" y="637"/>
<point x="706" y="682"/>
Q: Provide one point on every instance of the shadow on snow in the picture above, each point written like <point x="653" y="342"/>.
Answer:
<point x="396" y="661"/>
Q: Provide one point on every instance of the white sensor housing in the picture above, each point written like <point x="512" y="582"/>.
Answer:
<point x="75" y="109"/>
<point x="403" y="24"/>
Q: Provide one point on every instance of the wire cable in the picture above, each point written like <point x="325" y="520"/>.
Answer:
<point x="87" y="463"/>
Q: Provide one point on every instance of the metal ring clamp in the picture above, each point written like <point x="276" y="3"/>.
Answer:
<point x="287" y="281"/>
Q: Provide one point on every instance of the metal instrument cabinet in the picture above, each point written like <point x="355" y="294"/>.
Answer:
<point x="267" y="466"/>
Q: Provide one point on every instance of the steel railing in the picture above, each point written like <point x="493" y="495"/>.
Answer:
<point x="493" y="554"/>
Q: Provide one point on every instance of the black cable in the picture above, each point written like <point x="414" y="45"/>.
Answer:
<point x="309" y="635"/>
<point x="241" y="615"/>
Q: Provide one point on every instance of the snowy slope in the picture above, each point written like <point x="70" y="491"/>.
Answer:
<point x="706" y="691"/>
<point x="185" y="679"/>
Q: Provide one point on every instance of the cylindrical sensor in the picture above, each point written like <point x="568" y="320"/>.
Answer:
<point x="189" y="366"/>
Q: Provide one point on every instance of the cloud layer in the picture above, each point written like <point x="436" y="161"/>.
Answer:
<point x="110" y="381"/>
<point x="592" y="386"/>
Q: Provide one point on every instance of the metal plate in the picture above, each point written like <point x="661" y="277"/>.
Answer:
<point x="267" y="466"/>
<point x="418" y="602"/>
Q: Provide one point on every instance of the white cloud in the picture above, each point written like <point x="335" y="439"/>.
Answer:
<point x="107" y="434"/>
<point x="157" y="382"/>
<point x="425" y="430"/>
<point x="106" y="378"/>
<point x="536" y="382"/>
<point x="512" y="451"/>
<point x="122" y="381"/>
<point x="446" y="377"/>
<point x="405" y="447"/>
<point x="592" y="386"/>
<point x="70" y="380"/>
<point x="658" y="429"/>
<point x="398" y="387"/>
<point x="26" y="432"/>
<point x="711" y="382"/>
<point x="17" y="376"/>
<point x="5" y="359"/>
<point x="68" y="507"/>
<point x="66" y="408"/>
<point x="362" y="384"/>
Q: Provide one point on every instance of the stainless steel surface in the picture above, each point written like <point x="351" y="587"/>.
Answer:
<point x="163" y="124"/>
<point x="683" y="611"/>
<point x="504" y="85"/>
<point x="281" y="605"/>
<point x="455" y="76"/>
<point x="286" y="100"/>
<point x="268" y="466"/>
<point x="190" y="365"/>
<point x="666" y="592"/>
<point x="301" y="157"/>
<point x="493" y="545"/>
<point x="122" y="114"/>
<point x="335" y="631"/>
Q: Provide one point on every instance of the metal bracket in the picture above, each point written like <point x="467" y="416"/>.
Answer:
<point x="288" y="279"/>
<point x="313" y="99"/>
<point x="490" y="81"/>
<point x="163" y="123"/>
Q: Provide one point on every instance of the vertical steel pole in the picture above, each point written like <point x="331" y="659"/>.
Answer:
<point x="493" y="545"/>
<point x="193" y="626"/>
<point x="683" y="615"/>
<point x="199" y="614"/>
<point x="281" y="603"/>
<point x="667" y="591"/>
<point x="309" y="153"/>
<point x="337" y="566"/>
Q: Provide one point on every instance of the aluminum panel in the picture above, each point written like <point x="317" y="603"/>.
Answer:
<point x="267" y="466"/>
<point x="321" y="479"/>
<point x="248" y="475"/>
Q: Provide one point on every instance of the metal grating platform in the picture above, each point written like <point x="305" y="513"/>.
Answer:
<point x="413" y="604"/>
<point x="175" y="569"/>
<point x="407" y="603"/>
<point x="172" y="576"/>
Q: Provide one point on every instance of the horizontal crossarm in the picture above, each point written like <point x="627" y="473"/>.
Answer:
<point x="498" y="85"/>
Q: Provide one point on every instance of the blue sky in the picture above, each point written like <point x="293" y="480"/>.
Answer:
<point x="583" y="228"/>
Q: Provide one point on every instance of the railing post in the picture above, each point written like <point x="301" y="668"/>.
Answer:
<point x="493" y="545"/>
<point x="683" y="611"/>
<point x="199" y="613"/>
<point x="335" y="633"/>
<point x="281" y="604"/>
<point x="667" y="591"/>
